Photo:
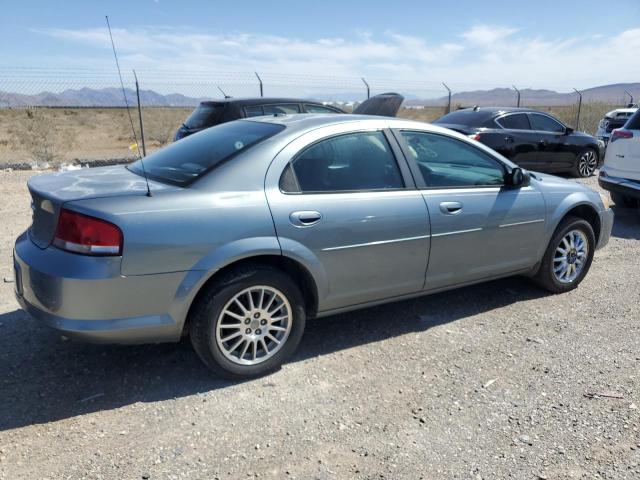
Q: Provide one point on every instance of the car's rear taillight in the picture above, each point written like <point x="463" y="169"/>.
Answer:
<point x="80" y="233"/>
<point x="620" y="133"/>
<point x="475" y="136"/>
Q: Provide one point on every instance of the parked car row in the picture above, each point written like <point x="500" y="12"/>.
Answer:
<point x="532" y="139"/>
<point x="238" y="234"/>
<point x="613" y="120"/>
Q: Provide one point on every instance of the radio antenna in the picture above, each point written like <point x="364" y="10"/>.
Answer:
<point x="124" y="94"/>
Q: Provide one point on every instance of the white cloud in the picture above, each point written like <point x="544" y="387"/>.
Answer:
<point x="485" y="56"/>
<point x="487" y="35"/>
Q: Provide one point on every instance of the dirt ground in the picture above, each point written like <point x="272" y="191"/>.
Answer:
<point x="495" y="381"/>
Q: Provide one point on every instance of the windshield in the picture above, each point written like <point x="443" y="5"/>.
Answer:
<point x="206" y="115"/>
<point x="183" y="162"/>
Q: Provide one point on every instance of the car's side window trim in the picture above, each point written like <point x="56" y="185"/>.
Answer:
<point x="564" y="127"/>
<point x="497" y="122"/>
<point x="396" y="152"/>
<point x="417" y="174"/>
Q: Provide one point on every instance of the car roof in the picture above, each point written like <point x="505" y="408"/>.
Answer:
<point x="259" y="101"/>
<point x="302" y="122"/>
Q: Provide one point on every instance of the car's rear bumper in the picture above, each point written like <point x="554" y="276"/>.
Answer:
<point x="87" y="297"/>
<point x="624" y="186"/>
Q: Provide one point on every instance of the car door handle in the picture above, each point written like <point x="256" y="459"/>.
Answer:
<point x="451" y="208"/>
<point x="544" y="143"/>
<point x="508" y="139"/>
<point x="305" y="218"/>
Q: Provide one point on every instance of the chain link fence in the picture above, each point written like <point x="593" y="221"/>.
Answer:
<point x="51" y="117"/>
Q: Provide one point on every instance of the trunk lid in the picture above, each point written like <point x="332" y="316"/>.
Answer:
<point x="50" y="191"/>
<point x="385" y="105"/>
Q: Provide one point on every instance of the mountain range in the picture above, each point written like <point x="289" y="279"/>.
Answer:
<point x="112" y="97"/>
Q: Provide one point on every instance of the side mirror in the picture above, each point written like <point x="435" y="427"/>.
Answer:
<point x="568" y="130"/>
<point x="518" y="178"/>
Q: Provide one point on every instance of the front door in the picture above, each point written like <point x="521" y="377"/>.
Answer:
<point x="554" y="146"/>
<point x="344" y="205"/>
<point x="480" y="228"/>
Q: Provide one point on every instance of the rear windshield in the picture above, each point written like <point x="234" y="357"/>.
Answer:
<point x="206" y="115"/>
<point x="463" y="117"/>
<point x="184" y="161"/>
<point x="634" y="122"/>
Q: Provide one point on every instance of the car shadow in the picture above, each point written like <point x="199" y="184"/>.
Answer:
<point x="626" y="223"/>
<point x="46" y="378"/>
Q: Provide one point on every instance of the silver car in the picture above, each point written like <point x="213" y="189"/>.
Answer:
<point x="248" y="228"/>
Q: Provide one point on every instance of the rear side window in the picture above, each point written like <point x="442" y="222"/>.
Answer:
<point x="286" y="108"/>
<point x="352" y="162"/>
<point x="516" y="121"/>
<point x="310" y="108"/>
<point x="253" y="111"/>
<point x="542" y="123"/>
<point x="204" y="116"/>
<point x="183" y="162"/>
<point x="634" y="122"/>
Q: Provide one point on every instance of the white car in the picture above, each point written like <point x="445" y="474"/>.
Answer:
<point x="612" y="120"/>
<point x="620" y="174"/>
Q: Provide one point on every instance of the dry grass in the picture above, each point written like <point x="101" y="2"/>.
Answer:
<point x="71" y="134"/>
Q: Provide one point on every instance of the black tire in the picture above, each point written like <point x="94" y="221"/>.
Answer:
<point x="623" y="201"/>
<point x="206" y="313"/>
<point x="545" y="276"/>
<point x="586" y="163"/>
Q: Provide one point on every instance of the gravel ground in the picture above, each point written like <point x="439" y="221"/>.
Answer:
<point x="494" y="381"/>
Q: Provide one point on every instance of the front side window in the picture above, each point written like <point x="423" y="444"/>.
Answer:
<point x="183" y="162"/>
<point x="310" y="108"/>
<point x="351" y="162"/>
<point x="448" y="162"/>
<point x="542" y="123"/>
<point x="515" y="121"/>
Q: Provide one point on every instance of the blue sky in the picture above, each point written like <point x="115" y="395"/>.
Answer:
<point x="541" y="44"/>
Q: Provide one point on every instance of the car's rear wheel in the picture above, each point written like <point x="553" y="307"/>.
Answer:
<point x="623" y="201"/>
<point x="568" y="256"/>
<point x="586" y="163"/>
<point x="248" y="322"/>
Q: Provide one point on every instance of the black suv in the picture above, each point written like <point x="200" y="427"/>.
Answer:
<point x="214" y="112"/>
<point x="532" y="139"/>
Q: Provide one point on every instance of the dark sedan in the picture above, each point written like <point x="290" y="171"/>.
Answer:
<point x="211" y="113"/>
<point x="532" y="139"/>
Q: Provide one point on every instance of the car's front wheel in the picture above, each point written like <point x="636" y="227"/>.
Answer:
<point x="248" y="322"/>
<point x="568" y="256"/>
<point x="586" y="163"/>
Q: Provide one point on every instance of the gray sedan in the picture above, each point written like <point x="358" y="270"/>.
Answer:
<point x="237" y="234"/>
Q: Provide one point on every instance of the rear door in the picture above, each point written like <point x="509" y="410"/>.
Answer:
<point x="344" y="202"/>
<point x="555" y="149"/>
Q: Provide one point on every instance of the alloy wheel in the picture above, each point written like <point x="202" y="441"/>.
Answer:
<point x="570" y="256"/>
<point x="254" y="325"/>
<point x="587" y="163"/>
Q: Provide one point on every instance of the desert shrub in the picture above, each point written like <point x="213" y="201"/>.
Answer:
<point x="41" y="136"/>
